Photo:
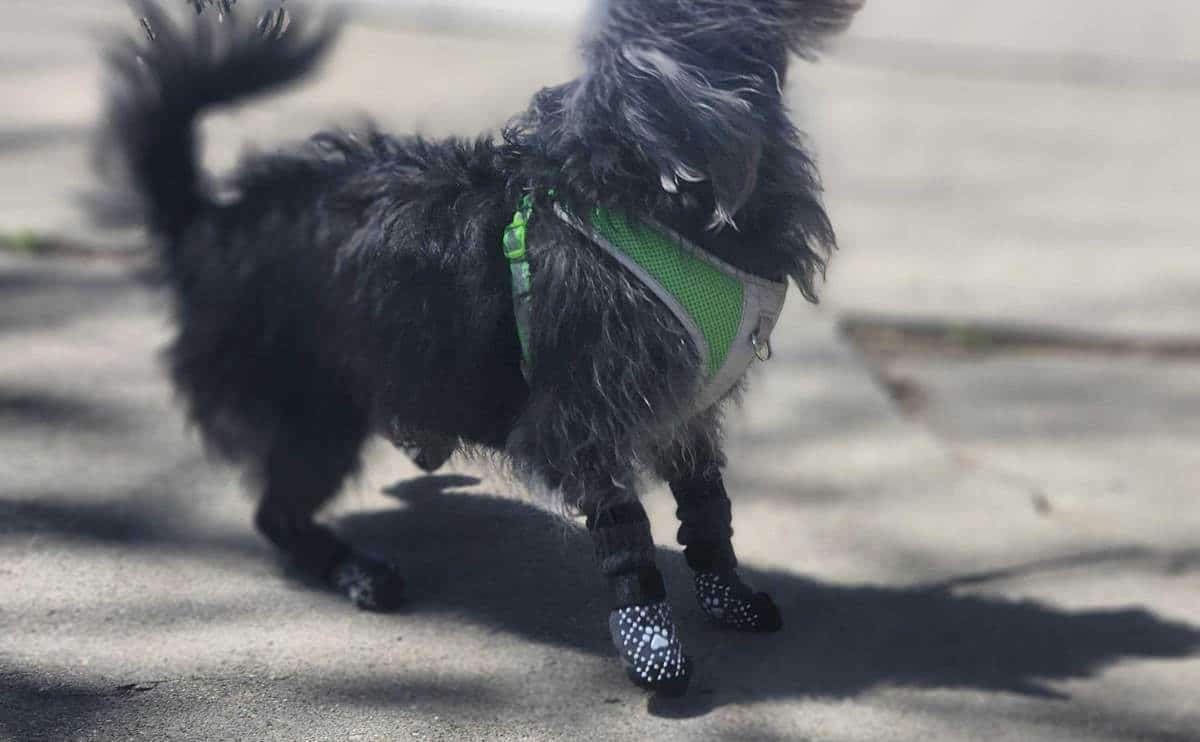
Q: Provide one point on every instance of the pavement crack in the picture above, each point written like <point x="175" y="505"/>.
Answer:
<point x="139" y="687"/>
<point x="882" y="338"/>
<point x="979" y="62"/>
<point x="879" y="341"/>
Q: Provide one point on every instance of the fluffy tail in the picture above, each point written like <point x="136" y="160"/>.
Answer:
<point x="695" y="86"/>
<point x="165" y="80"/>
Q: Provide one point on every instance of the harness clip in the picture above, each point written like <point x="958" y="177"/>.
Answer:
<point x="762" y="345"/>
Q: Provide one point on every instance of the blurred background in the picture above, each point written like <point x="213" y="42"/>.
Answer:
<point x="970" y="475"/>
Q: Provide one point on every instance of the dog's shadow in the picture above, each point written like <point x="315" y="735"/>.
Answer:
<point x="522" y="570"/>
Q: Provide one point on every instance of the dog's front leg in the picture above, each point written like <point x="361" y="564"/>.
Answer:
<point x="642" y="628"/>
<point x="705" y="532"/>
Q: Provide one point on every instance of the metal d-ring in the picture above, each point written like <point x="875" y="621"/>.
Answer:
<point x="762" y="348"/>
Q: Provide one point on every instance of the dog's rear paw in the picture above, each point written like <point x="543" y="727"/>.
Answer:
<point x="371" y="584"/>
<point x="648" y="646"/>
<point x="728" y="601"/>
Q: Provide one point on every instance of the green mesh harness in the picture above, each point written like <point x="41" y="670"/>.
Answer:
<point x="728" y="313"/>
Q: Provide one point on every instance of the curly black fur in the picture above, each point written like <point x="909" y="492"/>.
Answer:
<point x="356" y="283"/>
<point x="359" y="276"/>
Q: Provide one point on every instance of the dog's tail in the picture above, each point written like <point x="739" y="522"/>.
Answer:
<point x="164" y="81"/>
<point x="692" y="84"/>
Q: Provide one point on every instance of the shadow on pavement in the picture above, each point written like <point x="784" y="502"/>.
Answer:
<point x="22" y="408"/>
<point x="36" y="708"/>
<point x="31" y="710"/>
<point x="513" y="567"/>
<point x="525" y="571"/>
<point x="145" y="521"/>
<point x="34" y="296"/>
<point x="24" y="138"/>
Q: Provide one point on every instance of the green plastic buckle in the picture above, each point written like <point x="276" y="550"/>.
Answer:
<point x="522" y="279"/>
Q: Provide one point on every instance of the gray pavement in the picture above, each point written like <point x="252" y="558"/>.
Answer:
<point x="1010" y="553"/>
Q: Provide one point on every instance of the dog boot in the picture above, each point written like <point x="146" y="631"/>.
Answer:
<point x="728" y="601"/>
<point x="648" y="645"/>
<point x="371" y="584"/>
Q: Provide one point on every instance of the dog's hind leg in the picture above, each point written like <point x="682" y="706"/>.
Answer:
<point x="305" y="469"/>
<point x="640" y="623"/>
<point x="706" y="531"/>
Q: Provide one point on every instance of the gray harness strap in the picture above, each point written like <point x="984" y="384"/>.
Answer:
<point x="762" y="302"/>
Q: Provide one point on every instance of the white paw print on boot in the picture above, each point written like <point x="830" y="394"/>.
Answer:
<point x="645" y="637"/>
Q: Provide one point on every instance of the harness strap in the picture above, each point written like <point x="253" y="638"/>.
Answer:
<point x="522" y="281"/>
<point x="728" y="313"/>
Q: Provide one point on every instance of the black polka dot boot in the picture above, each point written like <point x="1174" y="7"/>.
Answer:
<point x="728" y="601"/>
<point x="371" y="584"/>
<point x="648" y="645"/>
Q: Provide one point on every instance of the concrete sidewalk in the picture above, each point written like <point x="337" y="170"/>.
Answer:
<point x="928" y="596"/>
<point x="982" y="546"/>
<point x="980" y="162"/>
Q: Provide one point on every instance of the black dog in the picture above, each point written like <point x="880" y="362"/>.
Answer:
<point x="360" y="283"/>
